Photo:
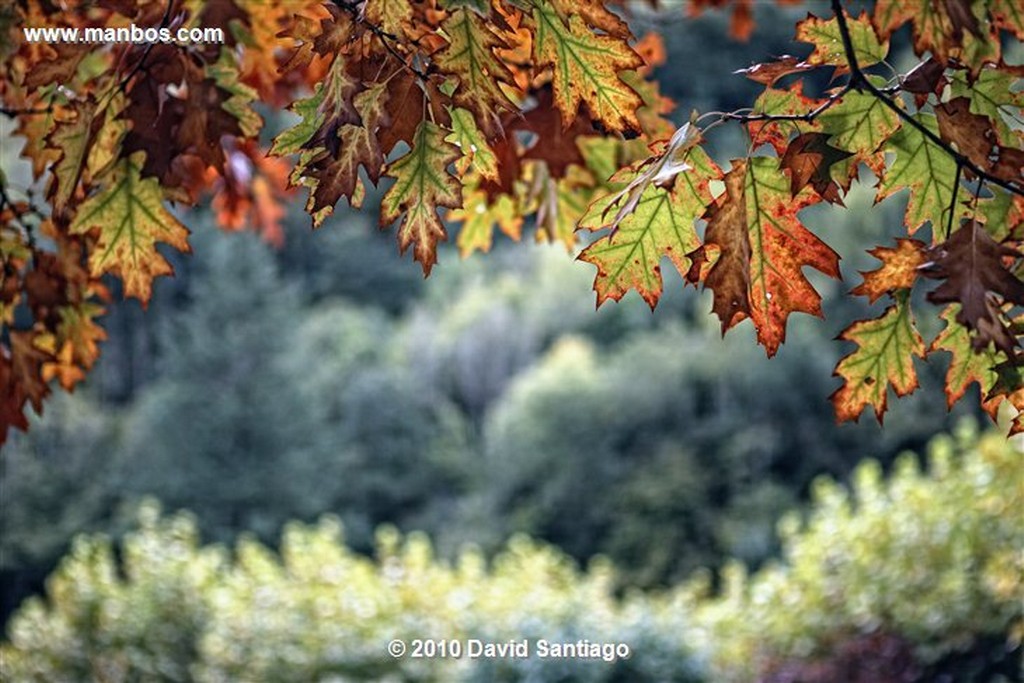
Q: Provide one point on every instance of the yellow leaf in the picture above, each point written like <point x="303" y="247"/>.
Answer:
<point x="129" y="218"/>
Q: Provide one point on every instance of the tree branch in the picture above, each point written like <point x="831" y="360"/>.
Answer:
<point x="860" y="82"/>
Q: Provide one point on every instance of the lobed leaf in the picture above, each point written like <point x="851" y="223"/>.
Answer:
<point x="884" y="357"/>
<point x="422" y="184"/>
<point x="128" y="218"/>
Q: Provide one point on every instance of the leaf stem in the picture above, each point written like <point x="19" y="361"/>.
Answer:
<point x="952" y="202"/>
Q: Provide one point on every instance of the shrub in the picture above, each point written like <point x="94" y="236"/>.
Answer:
<point x="927" y="560"/>
<point x="317" y="611"/>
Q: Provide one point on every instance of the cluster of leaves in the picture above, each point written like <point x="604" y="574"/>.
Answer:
<point x="488" y="112"/>
<point x="901" y="579"/>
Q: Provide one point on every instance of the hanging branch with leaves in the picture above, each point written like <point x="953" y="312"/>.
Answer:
<point x="494" y="114"/>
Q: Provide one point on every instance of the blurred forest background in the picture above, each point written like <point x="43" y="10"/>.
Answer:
<point x="270" y="384"/>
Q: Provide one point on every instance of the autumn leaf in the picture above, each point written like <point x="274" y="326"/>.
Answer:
<point x="72" y="140"/>
<point x="860" y="123"/>
<point x="476" y="151"/>
<point x="825" y="36"/>
<point x="389" y="15"/>
<point x="660" y="223"/>
<point x="758" y="213"/>
<point x="422" y="184"/>
<point x="899" y="270"/>
<point x="330" y="107"/>
<point x="128" y="217"/>
<point x="337" y="174"/>
<point x="967" y="365"/>
<point x="478" y="217"/>
<point x="884" y="357"/>
<point x="470" y="56"/>
<point x="225" y="74"/>
<point x="767" y="73"/>
<point x="809" y="159"/>
<point x="660" y="169"/>
<point x="972" y="134"/>
<point x="994" y="94"/>
<point x="785" y="103"/>
<point x="970" y="264"/>
<point x="586" y="67"/>
<point x="559" y="202"/>
<point x="947" y="29"/>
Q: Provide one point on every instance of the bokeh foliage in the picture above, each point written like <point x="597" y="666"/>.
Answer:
<point x="917" y="574"/>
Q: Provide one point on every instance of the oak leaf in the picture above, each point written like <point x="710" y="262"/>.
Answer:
<point x="884" y="357"/>
<point x="586" y="68"/>
<point x="128" y="218"/>
<point x="660" y="223"/>
<point x="899" y="270"/>
<point x="763" y="250"/>
<point x="422" y="185"/>
<point x="970" y="264"/>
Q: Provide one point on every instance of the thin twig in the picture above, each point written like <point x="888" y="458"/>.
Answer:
<point x="807" y="117"/>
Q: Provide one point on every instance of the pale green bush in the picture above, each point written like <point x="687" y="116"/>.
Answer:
<point x="320" y="612"/>
<point x="934" y="558"/>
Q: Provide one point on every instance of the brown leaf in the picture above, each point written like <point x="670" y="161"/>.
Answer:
<point x="552" y="144"/>
<point x="769" y="72"/>
<point x="729" y="276"/>
<point x="1009" y="165"/>
<point x="809" y="160"/>
<point x="406" y="110"/>
<point x="962" y="19"/>
<point x="972" y="134"/>
<point x="970" y="263"/>
<point x="924" y="78"/>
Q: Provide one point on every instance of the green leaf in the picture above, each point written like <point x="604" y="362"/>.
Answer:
<point x="478" y="216"/>
<point x="995" y="94"/>
<point x="72" y="139"/>
<point x="469" y="56"/>
<point x="661" y="223"/>
<point x="129" y="218"/>
<point x="422" y="184"/>
<point x="859" y="124"/>
<point x="311" y="117"/>
<point x="886" y="347"/>
<point x="928" y="172"/>
<point x="476" y="152"/>
<point x="323" y="114"/>
<point x="966" y="366"/>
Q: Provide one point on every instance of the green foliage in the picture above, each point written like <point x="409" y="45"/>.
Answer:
<point x="930" y="557"/>
<point x="318" y="611"/>
<point x="920" y="573"/>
